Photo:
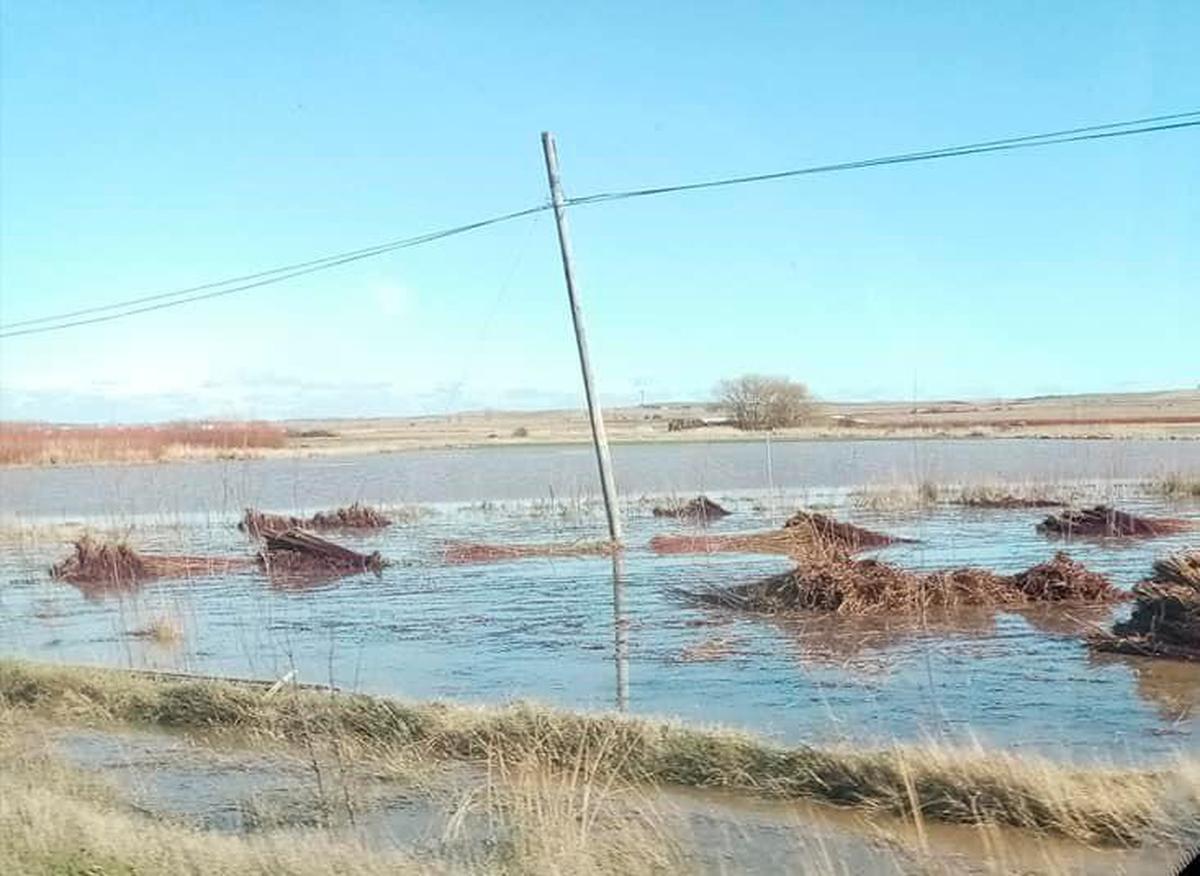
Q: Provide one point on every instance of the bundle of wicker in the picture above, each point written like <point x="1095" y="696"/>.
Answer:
<point x="701" y="509"/>
<point x="1166" y="614"/>
<point x="804" y="534"/>
<point x="835" y="532"/>
<point x="1108" y="522"/>
<point x="839" y="583"/>
<point x="356" y="516"/>
<point x="296" y="552"/>
<point x="118" y="566"/>
<point x="463" y="552"/>
<point x="1062" y="579"/>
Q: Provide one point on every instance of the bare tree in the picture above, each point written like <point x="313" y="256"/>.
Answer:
<point x="756" y="401"/>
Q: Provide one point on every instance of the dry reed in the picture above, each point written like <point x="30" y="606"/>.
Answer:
<point x="47" y="444"/>
<point x="119" y="566"/>
<point x="1103" y="521"/>
<point x="836" y="582"/>
<point x="1165" y="621"/>
<point x="463" y="552"/>
<point x="1091" y="804"/>
<point x="355" y="516"/>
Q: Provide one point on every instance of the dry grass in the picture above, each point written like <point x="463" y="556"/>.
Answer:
<point x="1176" y="485"/>
<point x="355" y="516"/>
<point x="1002" y="496"/>
<point x="1092" y="804"/>
<point x="1011" y="495"/>
<point x="896" y="497"/>
<point x="1166" y="614"/>
<point x="162" y="630"/>
<point x="463" y="552"/>
<point x="44" y="444"/>
<point x="101" y="565"/>
<point x="804" y="534"/>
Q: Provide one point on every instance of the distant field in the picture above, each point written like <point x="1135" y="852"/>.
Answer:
<point x="1173" y="414"/>
<point x="1134" y="415"/>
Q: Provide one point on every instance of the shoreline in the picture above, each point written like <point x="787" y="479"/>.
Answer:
<point x="356" y="449"/>
<point x="1163" y="416"/>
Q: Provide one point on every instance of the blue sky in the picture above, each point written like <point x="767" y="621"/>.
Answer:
<point x="149" y="146"/>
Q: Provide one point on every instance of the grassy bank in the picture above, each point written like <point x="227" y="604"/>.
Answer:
<point x="1093" y="804"/>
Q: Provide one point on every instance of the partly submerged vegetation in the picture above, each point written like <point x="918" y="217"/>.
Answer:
<point x="836" y="582"/>
<point x="1166" y="614"/>
<point x="971" y="786"/>
<point x="1176" y="485"/>
<point x="354" y="516"/>
<point x="1104" y="521"/>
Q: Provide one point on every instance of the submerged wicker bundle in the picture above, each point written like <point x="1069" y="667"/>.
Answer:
<point x="839" y="583"/>
<point x="1166" y="615"/>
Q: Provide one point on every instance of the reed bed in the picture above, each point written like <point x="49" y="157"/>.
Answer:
<point x="117" y="565"/>
<point x="1166" y="614"/>
<point x="1176" y="485"/>
<point x="701" y="510"/>
<point x="47" y="444"/>
<point x="803" y="534"/>
<point x="827" y="530"/>
<point x="987" y="496"/>
<point x="466" y="552"/>
<point x="355" y="516"/>
<point x="1094" y="804"/>
<point x="1107" y="522"/>
<point x="836" y="582"/>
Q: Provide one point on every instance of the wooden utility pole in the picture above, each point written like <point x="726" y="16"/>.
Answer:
<point x="603" y="459"/>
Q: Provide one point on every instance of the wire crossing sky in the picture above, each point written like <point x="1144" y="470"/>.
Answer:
<point x="152" y="148"/>
<point x="131" y="307"/>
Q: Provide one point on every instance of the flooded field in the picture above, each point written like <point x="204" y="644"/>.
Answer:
<point x="244" y="791"/>
<point x="577" y="632"/>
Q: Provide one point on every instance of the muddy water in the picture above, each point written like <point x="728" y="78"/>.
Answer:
<point x="220" y="788"/>
<point x="555" y="630"/>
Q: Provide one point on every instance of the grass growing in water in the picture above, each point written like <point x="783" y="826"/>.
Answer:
<point x="971" y="786"/>
<point x="1176" y="486"/>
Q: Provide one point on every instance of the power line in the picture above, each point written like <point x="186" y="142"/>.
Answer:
<point x="1095" y="132"/>
<point x="188" y="295"/>
<point x="297" y="267"/>
<point x="267" y="278"/>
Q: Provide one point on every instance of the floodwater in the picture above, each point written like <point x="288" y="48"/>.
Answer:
<point x="570" y="632"/>
<point x="223" y="788"/>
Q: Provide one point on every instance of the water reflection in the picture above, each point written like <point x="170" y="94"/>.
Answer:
<point x="1172" y="687"/>
<point x="620" y="631"/>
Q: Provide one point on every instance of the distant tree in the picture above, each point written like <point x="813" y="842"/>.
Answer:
<point x="757" y="402"/>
